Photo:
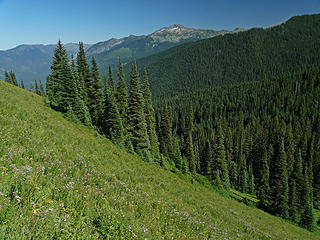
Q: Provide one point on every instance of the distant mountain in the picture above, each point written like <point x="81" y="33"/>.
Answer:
<point x="252" y="55"/>
<point x="31" y="62"/>
<point x="135" y="47"/>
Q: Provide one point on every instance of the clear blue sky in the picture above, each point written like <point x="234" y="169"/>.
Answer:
<point x="45" y="21"/>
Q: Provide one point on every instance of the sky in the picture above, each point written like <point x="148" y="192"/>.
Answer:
<point x="91" y="21"/>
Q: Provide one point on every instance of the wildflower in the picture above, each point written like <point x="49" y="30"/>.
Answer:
<point x="18" y="198"/>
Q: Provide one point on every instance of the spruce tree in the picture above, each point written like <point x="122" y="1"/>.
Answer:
<point x="111" y="124"/>
<point x="149" y="115"/>
<point x="97" y="95"/>
<point x="243" y="173"/>
<point x="279" y="189"/>
<point x="177" y="158"/>
<point x="41" y="89"/>
<point x="7" y="77"/>
<point x="290" y="149"/>
<point x="60" y="86"/>
<point x="263" y="188"/>
<point x="220" y="168"/>
<point x="121" y="94"/>
<point x="22" y="84"/>
<point x="165" y="133"/>
<point x="85" y="80"/>
<point x="137" y="126"/>
<point x="13" y="78"/>
<point x="188" y="151"/>
<point x="36" y="87"/>
<point x="293" y="201"/>
<point x="307" y="216"/>
<point x="206" y="160"/>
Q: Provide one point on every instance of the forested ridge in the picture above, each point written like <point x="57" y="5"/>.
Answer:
<point x="245" y="56"/>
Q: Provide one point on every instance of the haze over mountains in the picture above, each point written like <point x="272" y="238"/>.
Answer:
<point x="32" y="62"/>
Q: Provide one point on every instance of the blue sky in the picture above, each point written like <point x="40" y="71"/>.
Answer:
<point x="90" y="21"/>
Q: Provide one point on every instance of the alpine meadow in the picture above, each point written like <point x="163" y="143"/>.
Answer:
<point x="175" y="133"/>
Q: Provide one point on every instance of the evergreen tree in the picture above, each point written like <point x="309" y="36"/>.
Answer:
<point x="188" y="151"/>
<point x="293" y="201"/>
<point x="297" y="177"/>
<point x="206" y="160"/>
<point x="263" y="188"/>
<point x="165" y="133"/>
<point x="290" y="149"/>
<point x="112" y="125"/>
<point x="80" y="109"/>
<point x="97" y="95"/>
<point x="149" y="115"/>
<point x="137" y="126"/>
<point x="220" y="168"/>
<point x="85" y="81"/>
<point x="177" y="158"/>
<point x="36" y="87"/>
<point x="60" y="86"/>
<point x="7" y="77"/>
<point x="41" y="89"/>
<point x="279" y="189"/>
<point x="22" y="84"/>
<point x="243" y="174"/>
<point x="122" y="95"/>
<point x="251" y="185"/>
<point x="307" y="216"/>
<point x="13" y="79"/>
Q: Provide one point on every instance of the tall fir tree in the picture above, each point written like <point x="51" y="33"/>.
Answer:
<point x="22" y="84"/>
<point x="149" y="115"/>
<point x="188" y="151"/>
<point x="111" y="123"/>
<point x="206" y="160"/>
<point x="165" y="132"/>
<point x="85" y="81"/>
<point x="137" y="126"/>
<point x="97" y="95"/>
<point x="263" y="188"/>
<point x="307" y="215"/>
<point x="13" y="78"/>
<point x="279" y="189"/>
<point x="177" y="158"/>
<point x="60" y="84"/>
<point x="122" y="95"/>
<point x="293" y="201"/>
<point x="220" y="168"/>
<point x="7" y="77"/>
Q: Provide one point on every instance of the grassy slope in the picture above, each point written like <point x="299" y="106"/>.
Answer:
<point x="58" y="180"/>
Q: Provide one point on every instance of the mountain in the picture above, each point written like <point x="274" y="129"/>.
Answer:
<point x="230" y="58"/>
<point x="61" y="180"/>
<point x="135" y="47"/>
<point x="31" y="62"/>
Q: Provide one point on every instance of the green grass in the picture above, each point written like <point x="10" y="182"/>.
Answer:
<point x="60" y="181"/>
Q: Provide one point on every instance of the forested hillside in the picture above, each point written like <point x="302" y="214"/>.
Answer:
<point x="260" y="137"/>
<point x="240" y="57"/>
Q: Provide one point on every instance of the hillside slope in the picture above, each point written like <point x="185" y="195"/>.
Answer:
<point x="231" y="58"/>
<point x="59" y="180"/>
